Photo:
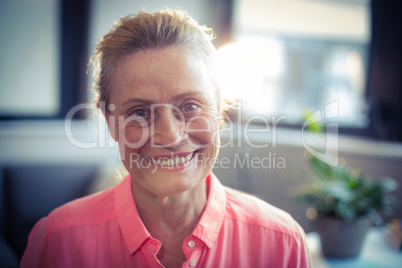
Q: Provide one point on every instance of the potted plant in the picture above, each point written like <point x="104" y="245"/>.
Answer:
<point x="344" y="203"/>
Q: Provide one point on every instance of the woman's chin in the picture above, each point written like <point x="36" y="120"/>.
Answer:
<point x="165" y="181"/>
<point x="170" y="183"/>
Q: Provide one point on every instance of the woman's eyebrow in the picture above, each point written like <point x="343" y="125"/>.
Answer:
<point x="186" y="95"/>
<point x="149" y="102"/>
<point x="138" y="100"/>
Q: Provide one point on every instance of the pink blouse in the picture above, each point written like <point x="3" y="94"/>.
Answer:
<point x="105" y="230"/>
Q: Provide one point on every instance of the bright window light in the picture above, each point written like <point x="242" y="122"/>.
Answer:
<point x="291" y="55"/>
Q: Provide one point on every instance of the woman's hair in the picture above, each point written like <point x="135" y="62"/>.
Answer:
<point x="167" y="28"/>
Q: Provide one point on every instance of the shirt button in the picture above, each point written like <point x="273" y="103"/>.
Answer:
<point x="191" y="243"/>
<point x="192" y="263"/>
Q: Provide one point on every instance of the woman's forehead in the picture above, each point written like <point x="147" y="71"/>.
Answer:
<point x="161" y="75"/>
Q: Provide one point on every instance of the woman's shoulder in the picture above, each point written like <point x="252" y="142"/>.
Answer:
<point x="88" y="210"/>
<point x="251" y="210"/>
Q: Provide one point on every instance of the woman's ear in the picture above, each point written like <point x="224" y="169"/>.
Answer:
<point x="111" y="123"/>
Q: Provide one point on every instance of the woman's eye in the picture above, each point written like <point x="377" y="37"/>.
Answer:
<point x="189" y="107"/>
<point x="140" y="113"/>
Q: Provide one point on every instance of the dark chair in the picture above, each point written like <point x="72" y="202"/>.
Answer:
<point x="29" y="193"/>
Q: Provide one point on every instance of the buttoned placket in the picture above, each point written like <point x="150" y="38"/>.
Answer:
<point x="192" y="249"/>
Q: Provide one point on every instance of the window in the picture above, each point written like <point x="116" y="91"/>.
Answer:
<point x="292" y="55"/>
<point x="29" y="56"/>
<point x="43" y="58"/>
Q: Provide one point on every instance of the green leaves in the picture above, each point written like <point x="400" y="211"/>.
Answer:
<point x="345" y="193"/>
<point x="312" y="125"/>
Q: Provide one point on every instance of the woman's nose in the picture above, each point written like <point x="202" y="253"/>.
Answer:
<point x="168" y="128"/>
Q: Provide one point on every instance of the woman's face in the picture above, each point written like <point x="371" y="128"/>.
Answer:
<point x="164" y="116"/>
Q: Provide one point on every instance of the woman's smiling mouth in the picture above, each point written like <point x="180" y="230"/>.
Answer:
<point x="172" y="160"/>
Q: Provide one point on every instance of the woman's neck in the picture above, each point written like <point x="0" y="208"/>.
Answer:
<point x="175" y="215"/>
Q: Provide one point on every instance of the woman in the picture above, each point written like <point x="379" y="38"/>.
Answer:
<point x="162" y="105"/>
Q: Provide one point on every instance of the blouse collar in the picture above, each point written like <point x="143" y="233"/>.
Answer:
<point x="134" y="231"/>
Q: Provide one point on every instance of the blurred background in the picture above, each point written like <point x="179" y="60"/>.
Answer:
<point x="278" y="58"/>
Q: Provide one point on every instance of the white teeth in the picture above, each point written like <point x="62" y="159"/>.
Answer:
<point x="178" y="160"/>
<point x="172" y="161"/>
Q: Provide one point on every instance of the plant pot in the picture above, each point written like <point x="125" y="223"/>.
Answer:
<point x="340" y="239"/>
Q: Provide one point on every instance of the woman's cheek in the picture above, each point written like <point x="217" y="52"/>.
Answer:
<point x="132" y="139"/>
<point x="204" y="131"/>
<point x="202" y="128"/>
